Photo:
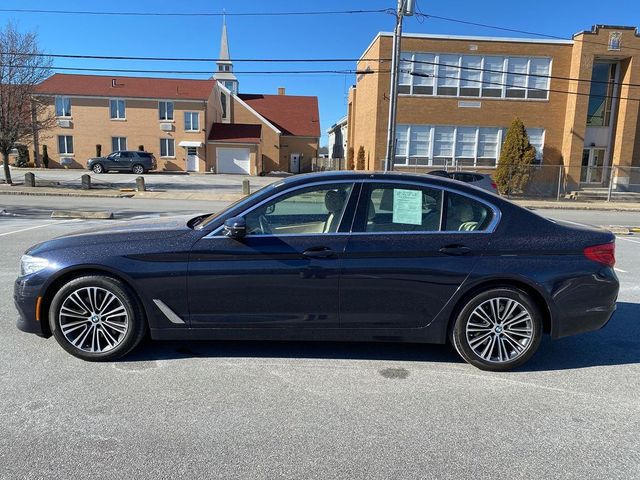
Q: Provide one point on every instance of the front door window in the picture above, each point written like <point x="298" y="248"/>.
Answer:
<point x="307" y="211"/>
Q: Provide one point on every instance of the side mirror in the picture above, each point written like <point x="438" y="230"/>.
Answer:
<point x="235" y="227"/>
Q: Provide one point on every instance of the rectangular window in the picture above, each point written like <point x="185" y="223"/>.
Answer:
<point x="419" y="144"/>
<point x="487" y="154"/>
<point x="517" y="70"/>
<point x="118" y="143"/>
<point x="117" y="109"/>
<point x="424" y="66"/>
<point x="403" y="208"/>
<point x="165" y="110"/>
<point x="402" y="145"/>
<point x="448" y="75"/>
<point x="539" y="70"/>
<point x="493" y="77"/>
<point x="471" y="76"/>
<point x="443" y="140"/>
<point x="223" y="102"/>
<point x="466" y="145"/>
<point x="167" y="147"/>
<point x="536" y="138"/>
<point x="63" y="107"/>
<point x="191" y="121"/>
<point x="405" y="79"/>
<point x="65" y="144"/>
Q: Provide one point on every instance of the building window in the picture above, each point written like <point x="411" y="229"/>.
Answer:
<point x="63" y="107"/>
<point x="165" y="110"/>
<point x="191" y="121"/>
<point x="167" y="147"/>
<point x="117" y="109"/>
<point x="65" y="144"/>
<point x="427" y="145"/>
<point x="601" y="94"/>
<point x="223" y="103"/>
<point x="118" y="143"/>
<point x="474" y="76"/>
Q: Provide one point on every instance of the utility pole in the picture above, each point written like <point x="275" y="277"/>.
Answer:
<point x="405" y="8"/>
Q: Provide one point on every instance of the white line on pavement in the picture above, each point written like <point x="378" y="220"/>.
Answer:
<point x="630" y="240"/>
<point x="619" y="270"/>
<point x="33" y="228"/>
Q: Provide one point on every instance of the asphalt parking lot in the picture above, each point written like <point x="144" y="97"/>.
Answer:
<point x="325" y="410"/>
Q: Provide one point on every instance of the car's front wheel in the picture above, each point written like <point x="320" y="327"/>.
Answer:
<point x="498" y="329"/>
<point x="97" y="168"/>
<point x="97" y="318"/>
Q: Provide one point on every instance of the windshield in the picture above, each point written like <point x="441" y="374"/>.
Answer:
<point x="211" y="217"/>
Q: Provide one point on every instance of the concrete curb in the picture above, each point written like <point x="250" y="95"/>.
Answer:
<point x="617" y="230"/>
<point x="65" y="194"/>
<point x="82" y="214"/>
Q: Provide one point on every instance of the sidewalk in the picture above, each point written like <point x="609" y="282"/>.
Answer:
<point x="177" y="194"/>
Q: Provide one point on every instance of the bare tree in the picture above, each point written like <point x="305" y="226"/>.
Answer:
<point x="22" y="68"/>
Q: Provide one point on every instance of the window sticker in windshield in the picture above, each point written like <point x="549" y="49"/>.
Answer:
<point x="407" y="206"/>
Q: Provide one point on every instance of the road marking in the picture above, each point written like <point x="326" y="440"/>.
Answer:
<point x="33" y="228"/>
<point x="629" y="240"/>
<point x="619" y="270"/>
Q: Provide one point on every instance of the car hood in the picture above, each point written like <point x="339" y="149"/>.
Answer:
<point x="123" y="233"/>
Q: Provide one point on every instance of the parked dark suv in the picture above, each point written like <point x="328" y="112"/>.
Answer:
<point x="123" y="161"/>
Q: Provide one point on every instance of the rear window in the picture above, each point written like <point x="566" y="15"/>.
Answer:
<point x="144" y="154"/>
<point x="465" y="214"/>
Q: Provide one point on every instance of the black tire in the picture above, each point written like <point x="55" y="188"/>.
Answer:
<point x="98" y="168"/>
<point x="504" y="330"/>
<point x="136" y="324"/>
<point x="137" y="169"/>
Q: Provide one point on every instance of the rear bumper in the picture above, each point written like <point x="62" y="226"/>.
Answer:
<point x="585" y="303"/>
<point x="24" y="298"/>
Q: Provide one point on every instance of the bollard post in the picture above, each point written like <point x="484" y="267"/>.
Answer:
<point x="29" y="179"/>
<point x="246" y="187"/>
<point x="140" y="187"/>
<point x="86" y="182"/>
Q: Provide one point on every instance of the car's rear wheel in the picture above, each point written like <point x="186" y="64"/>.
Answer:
<point x="97" y="168"/>
<point x="138" y="169"/>
<point x="498" y="329"/>
<point x="97" y="318"/>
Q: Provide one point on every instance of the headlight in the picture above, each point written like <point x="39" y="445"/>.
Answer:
<point x="29" y="264"/>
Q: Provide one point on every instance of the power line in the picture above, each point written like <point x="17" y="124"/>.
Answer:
<point x="292" y="60"/>
<point x="515" y="30"/>
<point x="192" y="14"/>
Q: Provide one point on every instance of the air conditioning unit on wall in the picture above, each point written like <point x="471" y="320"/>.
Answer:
<point x="166" y="127"/>
<point x="64" y="123"/>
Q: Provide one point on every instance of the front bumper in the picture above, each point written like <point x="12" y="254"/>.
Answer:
<point x="25" y="297"/>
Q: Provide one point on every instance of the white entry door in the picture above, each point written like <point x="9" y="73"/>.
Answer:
<point x="192" y="159"/>
<point x="233" y="160"/>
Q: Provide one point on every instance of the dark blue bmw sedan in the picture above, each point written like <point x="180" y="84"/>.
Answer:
<point x="333" y="256"/>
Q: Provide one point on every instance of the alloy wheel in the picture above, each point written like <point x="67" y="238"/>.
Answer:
<point x="93" y="319"/>
<point x="499" y="330"/>
<point x="138" y="169"/>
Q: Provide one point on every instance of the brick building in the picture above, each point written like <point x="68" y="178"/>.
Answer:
<point x="189" y="125"/>
<point x="579" y="100"/>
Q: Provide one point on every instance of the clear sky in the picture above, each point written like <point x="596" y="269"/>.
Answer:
<point x="331" y="36"/>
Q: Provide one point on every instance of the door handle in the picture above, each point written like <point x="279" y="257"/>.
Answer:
<point x="318" y="252"/>
<point x="455" y="250"/>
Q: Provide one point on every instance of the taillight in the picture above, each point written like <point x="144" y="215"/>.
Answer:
<point x="604" y="254"/>
<point x="494" y="185"/>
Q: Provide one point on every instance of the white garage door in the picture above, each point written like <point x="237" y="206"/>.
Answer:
<point x="233" y="160"/>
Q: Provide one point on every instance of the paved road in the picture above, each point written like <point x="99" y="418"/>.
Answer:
<point x="252" y="410"/>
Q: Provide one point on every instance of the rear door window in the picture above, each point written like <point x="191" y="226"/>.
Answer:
<point x="466" y="214"/>
<point x="402" y="208"/>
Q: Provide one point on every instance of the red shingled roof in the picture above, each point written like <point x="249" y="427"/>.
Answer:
<point x="235" y="133"/>
<point x="291" y="114"/>
<point x="126" y="87"/>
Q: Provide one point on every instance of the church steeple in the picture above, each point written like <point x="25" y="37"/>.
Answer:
<point x="224" y="73"/>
